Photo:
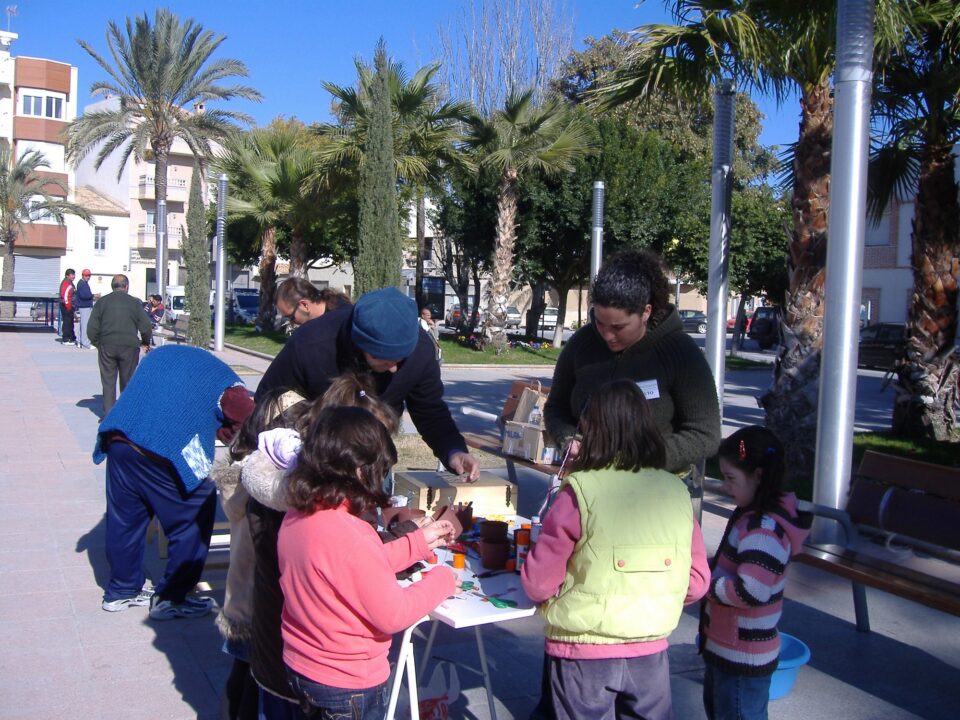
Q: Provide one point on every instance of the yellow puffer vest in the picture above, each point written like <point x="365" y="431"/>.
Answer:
<point x="628" y="576"/>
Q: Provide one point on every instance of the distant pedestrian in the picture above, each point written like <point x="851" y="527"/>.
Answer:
<point x="158" y="441"/>
<point x="85" y="298"/>
<point x="67" y="297"/>
<point x="429" y="326"/>
<point x="116" y="322"/>
<point x="619" y="555"/>
<point x="738" y="633"/>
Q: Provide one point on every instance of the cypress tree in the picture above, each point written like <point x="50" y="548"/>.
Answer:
<point x="379" y="250"/>
<point x="196" y="258"/>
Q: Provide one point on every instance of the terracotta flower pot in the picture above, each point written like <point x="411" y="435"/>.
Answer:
<point x="448" y="513"/>
<point x="390" y="515"/>
<point x="493" y="530"/>
<point x="494" y="553"/>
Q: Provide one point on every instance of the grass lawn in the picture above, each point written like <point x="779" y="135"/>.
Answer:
<point x="453" y="352"/>
<point x="739" y="363"/>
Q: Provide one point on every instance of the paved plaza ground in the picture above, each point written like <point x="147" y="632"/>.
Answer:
<point x="62" y="656"/>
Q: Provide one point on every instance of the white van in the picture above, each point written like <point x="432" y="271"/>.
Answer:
<point x="174" y="300"/>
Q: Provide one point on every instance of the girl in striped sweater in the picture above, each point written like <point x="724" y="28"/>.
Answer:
<point x="739" y="637"/>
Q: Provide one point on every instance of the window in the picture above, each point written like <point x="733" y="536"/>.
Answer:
<point x="50" y="106"/>
<point x="35" y="213"/>
<point x="32" y="105"/>
<point x="100" y="239"/>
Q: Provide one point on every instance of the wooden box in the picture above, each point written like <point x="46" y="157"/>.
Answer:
<point x="491" y="495"/>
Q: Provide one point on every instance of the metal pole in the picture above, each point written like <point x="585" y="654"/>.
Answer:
<point x="848" y="192"/>
<point x="218" y="295"/>
<point x="596" y="235"/>
<point x="715" y="346"/>
<point x="161" y="231"/>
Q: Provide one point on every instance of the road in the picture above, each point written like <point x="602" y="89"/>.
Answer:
<point x="485" y="388"/>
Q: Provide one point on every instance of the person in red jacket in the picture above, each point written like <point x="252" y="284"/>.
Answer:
<point x="67" y="296"/>
<point x="341" y="600"/>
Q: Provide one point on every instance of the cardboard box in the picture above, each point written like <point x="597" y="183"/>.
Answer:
<point x="529" y="441"/>
<point x="428" y="490"/>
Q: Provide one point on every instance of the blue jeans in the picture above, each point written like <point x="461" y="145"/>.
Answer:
<point x="735" y="697"/>
<point x="339" y="703"/>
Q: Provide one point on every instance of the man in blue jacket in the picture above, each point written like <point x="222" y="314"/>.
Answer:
<point x="84" y="304"/>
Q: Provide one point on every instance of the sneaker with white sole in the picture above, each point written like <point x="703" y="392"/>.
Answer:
<point x="141" y="599"/>
<point x="191" y="607"/>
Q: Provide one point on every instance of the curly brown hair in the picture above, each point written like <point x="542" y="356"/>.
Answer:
<point x="353" y="390"/>
<point x="345" y="456"/>
<point x="630" y="280"/>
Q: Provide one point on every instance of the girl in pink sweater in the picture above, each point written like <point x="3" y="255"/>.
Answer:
<point x="342" y="602"/>
<point x="738" y="632"/>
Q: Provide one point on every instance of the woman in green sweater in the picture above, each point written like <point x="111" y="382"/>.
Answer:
<point x="635" y="333"/>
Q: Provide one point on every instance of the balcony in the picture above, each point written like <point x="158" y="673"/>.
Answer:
<point x="147" y="237"/>
<point x="177" y="189"/>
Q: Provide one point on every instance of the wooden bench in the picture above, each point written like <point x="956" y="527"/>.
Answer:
<point x="492" y="442"/>
<point x="181" y="328"/>
<point x="907" y="503"/>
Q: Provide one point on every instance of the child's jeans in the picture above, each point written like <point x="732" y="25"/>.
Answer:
<point x="735" y="697"/>
<point x="330" y="702"/>
<point x="637" y="687"/>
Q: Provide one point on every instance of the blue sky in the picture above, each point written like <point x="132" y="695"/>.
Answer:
<point x="290" y="46"/>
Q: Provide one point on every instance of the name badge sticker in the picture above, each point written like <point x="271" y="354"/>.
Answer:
<point x="649" y="388"/>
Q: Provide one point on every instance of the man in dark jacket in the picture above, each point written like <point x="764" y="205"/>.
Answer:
<point x="84" y="305"/>
<point x="115" y="322"/>
<point x="67" y="293"/>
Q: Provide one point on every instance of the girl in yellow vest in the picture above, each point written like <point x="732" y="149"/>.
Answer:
<point x="618" y="557"/>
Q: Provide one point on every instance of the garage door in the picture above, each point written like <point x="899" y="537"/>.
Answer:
<point x="33" y="273"/>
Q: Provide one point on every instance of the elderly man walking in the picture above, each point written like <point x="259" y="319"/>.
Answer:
<point x="115" y="323"/>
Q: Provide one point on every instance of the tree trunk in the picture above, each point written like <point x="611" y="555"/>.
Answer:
<point x="791" y="401"/>
<point x="268" y="278"/>
<point x="298" y="255"/>
<point x="924" y="405"/>
<point x="421" y="244"/>
<point x="502" y="253"/>
<point x="8" y="308"/>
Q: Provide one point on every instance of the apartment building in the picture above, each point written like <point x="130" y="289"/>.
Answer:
<point x="38" y="98"/>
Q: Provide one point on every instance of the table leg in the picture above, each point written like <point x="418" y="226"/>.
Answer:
<point x="404" y="664"/>
<point x="429" y="648"/>
<point x="486" y="672"/>
<point x="412" y="686"/>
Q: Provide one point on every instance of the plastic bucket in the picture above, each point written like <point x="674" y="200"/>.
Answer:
<point x="794" y="654"/>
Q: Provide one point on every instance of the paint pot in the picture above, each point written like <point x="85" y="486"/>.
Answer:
<point x="493" y="530"/>
<point x="449" y="514"/>
<point x="494" y="553"/>
<point x="459" y="561"/>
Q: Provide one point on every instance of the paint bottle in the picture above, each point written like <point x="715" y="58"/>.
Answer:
<point x="522" y="538"/>
<point x="534" y="529"/>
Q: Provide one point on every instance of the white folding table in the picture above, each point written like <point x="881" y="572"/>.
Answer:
<point x="467" y="609"/>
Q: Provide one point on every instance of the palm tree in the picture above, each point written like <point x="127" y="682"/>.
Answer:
<point x="160" y="70"/>
<point x="523" y="137"/>
<point x="426" y="132"/>
<point x="272" y="170"/>
<point x="25" y="195"/>
<point x="773" y="48"/>
<point x="917" y="105"/>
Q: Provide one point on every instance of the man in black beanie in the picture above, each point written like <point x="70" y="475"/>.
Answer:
<point x="380" y="335"/>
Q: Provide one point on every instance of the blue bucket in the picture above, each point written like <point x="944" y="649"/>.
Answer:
<point x="794" y="654"/>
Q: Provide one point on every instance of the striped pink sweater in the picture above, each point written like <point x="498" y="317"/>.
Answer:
<point x="743" y="607"/>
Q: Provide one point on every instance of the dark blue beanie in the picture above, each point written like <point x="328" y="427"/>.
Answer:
<point x="385" y="324"/>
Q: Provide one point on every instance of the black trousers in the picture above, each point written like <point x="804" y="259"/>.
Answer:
<point x="116" y="361"/>
<point x="66" y="322"/>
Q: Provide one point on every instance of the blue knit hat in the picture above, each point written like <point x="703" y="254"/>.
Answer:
<point x="385" y="324"/>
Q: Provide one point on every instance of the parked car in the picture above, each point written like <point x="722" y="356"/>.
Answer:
<point x="513" y="317"/>
<point x="452" y="318"/>
<point x="693" y="321"/>
<point x="548" y="319"/>
<point x="765" y="326"/>
<point x="744" y="326"/>
<point x="881" y="345"/>
<point x="246" y="305"/>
